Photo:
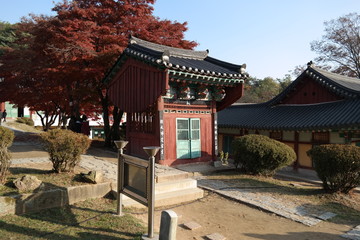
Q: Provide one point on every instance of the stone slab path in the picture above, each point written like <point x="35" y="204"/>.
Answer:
<point x="91" y="163"/>
<point x="353" y="234"/>
<point x="291" y="210"/>
<point x="87" y="161"/>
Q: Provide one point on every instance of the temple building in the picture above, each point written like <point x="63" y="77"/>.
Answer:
<point x="172" y="97"/>
<point x="319" y="107"/>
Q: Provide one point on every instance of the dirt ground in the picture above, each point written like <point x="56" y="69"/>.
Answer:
<point x="237" y="221"/>
<point x="27" y="151"/>
<point x="216" y="214"/>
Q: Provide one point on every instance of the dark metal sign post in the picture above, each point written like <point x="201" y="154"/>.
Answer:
<point x="151" y="151"/>
<point x="120" y="145"/>
<point x="136" y="179"/>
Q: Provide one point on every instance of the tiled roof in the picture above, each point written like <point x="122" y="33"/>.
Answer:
<point x="339" y="81"/>
<point x="324" y="116"/>
<point x="343" y="86"/>
<point x="321" y="116"/>
<point x="142" y="45"/>
<point x="182" y="64"/>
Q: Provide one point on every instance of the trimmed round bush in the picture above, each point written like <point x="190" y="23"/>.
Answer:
<point x="20" y="120"/>
<point x="65" y="148"/>
<point x="258" y="154"/>
<point x="6" y="139"/>
<point x="25" y="120"/>
<point x="29" y="122"/>
<point x="338" y="166"/>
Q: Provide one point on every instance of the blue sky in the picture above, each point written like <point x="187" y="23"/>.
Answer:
<point x="270" y="36"/>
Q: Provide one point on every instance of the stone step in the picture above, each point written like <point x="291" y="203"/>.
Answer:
<point x="174" y="175"/>
<point x="168" y="198"/>
<point x="178" y="185"/>
<point x="163" y="187"/>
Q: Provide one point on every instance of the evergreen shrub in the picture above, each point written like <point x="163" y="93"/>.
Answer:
<point x="258" y="154"/>
<point x="6" y="139"/>
<point x="65" y="148"/>
<point x="338" y="166"/>
<point x="25" y="120"/>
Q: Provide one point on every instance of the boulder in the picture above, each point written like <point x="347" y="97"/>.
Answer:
<point x="27" y="183"/>
<point x="93" y="177"/>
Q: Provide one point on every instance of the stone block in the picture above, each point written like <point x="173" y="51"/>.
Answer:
<point x="82" y="193"/>
<point x="215" y="236"/>
<point x="192" y="225"/>
<point x="36" y="202"/>
<point x="326" y="216"/>
<point x="218" y="164"/>
<point x="168" y="225"/>
<point x="27" y="183"/>
<point x="7" y="205"/>
<point x="93" y="177"/>
<point x="354" y="234"/>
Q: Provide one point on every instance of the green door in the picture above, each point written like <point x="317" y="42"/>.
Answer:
<point x="195" y="146"/>
<point x="12" y="111"/>
<point x="188" y="138"/>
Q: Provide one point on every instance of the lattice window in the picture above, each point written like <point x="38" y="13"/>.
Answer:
<point x="276" y="135"/>
<point x="244" y="132"/>
<point x="321" y="137"/>
<point x="143" y="122"/>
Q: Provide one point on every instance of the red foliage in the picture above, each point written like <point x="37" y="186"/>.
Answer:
<point x="64" y="58"/>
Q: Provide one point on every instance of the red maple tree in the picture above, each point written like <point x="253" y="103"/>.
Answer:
<point x="75" y="48"/>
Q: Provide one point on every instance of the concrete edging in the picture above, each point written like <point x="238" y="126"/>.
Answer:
<point x="35" y="202"/>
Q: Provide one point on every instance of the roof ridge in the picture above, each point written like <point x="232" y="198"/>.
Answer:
<point x="235" y="67"/>
<point x="172" y="51"/>
<point x="344" y="77"/>
<point x="310" y="104"/>
<point x="334" y="80"/>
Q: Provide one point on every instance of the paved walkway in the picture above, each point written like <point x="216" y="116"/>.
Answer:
<point x="87" y="162"/>
<point x="93" y="163"/>
<point x="302" y="175"/>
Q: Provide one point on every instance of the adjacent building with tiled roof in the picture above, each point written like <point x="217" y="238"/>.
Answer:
<point x="318" y="107"/>
<point x="172" y="97"/>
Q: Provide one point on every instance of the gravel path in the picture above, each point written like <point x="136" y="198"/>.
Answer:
<point x="87" y="161"/>
<point x="93" y="163"/>
<point x="30" y="160"/>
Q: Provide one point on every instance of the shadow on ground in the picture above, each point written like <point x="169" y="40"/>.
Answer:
<point x="67" y="223"/>
<point x="294" y="236"/>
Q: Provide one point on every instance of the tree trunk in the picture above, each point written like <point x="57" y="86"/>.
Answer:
<point x="46" y="122"/>
<point x="105" y="106"/>
<point x="115" y="131"/>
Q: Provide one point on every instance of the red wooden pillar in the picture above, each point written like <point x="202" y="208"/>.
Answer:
<point x="2" y="106"/>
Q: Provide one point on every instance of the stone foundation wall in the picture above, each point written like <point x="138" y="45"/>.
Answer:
<point x="35" y="202"/>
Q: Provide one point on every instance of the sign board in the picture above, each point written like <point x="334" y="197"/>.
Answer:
<point x="136" y="179"/>
<point x="134" y="175"/>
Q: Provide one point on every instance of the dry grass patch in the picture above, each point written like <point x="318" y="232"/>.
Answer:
<point x="43" y="172"/>
<point x="91" y="220"/>
<point x="23" y="127"/>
